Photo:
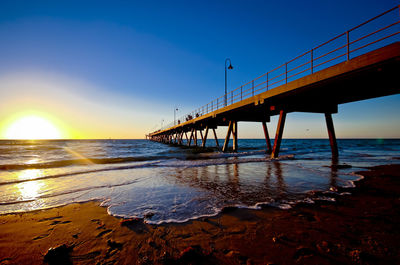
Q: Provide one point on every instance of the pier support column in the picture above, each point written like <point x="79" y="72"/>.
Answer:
<point x="268" y="141"/>
<point x="203" y="144"/>
<point x="234" y="136"/>
<point x="181" y="138"/>
<point x="201" y="135"/>
<point x="190" y="138"/>
<point x="187" y="139"/>
<point x="216" y="138"/>
<point x="278" y="135"/>
<point x="195" y="137"/>
<point x="332" y="136"/>
<point x="228" y="135"/>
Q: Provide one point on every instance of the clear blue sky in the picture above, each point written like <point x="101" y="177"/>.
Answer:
<point x="122" y="66"/>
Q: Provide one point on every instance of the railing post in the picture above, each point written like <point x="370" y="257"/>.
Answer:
<point x="252" y="90"/>
<point x="231" y="97"/>
<point x="312" y="61"/>
<point x="267" y="81"/>
<point x="348" y="45"/>
<point x="241" y="92"/>
<point x="217" y="103"/>
<point x="286" y="73"/>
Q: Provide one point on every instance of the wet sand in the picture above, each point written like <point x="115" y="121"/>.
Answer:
<point x="359" y="228"/>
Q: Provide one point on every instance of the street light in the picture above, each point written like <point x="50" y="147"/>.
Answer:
<point x="175" y="110"/>
<point x="162" y="120"/>
<point x="230" y="67"/>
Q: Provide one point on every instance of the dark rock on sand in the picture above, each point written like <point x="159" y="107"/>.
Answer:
<point x="114" y="245"/>
<point x="59" y="255"/>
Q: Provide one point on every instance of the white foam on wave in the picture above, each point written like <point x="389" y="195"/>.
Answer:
<point x="325" y="198"/>
<point x="285" y="206"/>
<point x="352" y="183"/>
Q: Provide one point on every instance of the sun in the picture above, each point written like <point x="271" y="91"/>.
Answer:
<point x="32" y="127"/>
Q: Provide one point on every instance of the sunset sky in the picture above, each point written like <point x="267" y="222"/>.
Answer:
<point x="116" y="69"/>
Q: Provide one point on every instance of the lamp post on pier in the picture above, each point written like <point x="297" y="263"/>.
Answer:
<point x="230" y="67"/>
<point x="162" y="121"/>
<point x="175" y="110"/>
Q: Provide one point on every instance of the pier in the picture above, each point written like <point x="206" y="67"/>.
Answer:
<point x="359" y="64"/>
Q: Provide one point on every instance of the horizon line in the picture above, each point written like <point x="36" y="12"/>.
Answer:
<point x="288" y="138"/>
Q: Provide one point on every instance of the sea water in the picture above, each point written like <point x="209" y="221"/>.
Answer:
<point x="166" y="183"/>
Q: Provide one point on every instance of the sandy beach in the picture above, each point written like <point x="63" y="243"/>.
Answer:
<point x="361" y="227"/>
<point x="197" y="133"/>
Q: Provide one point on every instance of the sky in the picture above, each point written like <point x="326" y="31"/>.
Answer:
<point x="118" y="69"/>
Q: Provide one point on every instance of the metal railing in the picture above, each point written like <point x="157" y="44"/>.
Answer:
<point x="372" y="34"/>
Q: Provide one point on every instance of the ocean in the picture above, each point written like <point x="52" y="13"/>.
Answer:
<point x="165" y="183"/>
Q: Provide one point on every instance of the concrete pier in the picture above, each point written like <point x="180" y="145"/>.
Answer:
<point x="371" y="74"/>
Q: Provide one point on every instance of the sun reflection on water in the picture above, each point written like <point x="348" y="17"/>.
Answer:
<point x="30" y="189"/>
<point x="32" y="161"/>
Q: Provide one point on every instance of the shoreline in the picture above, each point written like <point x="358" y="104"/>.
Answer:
<point x="358" y="228"/>
<point x="257" y="206"/>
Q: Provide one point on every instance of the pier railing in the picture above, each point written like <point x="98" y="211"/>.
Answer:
<point x="369" y="35"/>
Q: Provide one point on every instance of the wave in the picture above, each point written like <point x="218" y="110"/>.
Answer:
<point x="70" y="192"/>
<point x="221" y="159"/>
<point x="119" y="160"/>
<point x="71" y="162"/>
<point x="78" y="173"/>
<point x="280" y="204"/>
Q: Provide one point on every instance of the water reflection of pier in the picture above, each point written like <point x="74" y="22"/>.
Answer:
<point x="234" y="181"/>
<point x="226" y="181"/>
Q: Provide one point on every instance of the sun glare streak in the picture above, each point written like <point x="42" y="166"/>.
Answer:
<point x="32" y="127"/>
<point x="78" y="155"/>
